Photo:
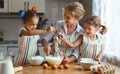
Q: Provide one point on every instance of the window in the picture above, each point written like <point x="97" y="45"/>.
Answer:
<point x="109" y="11"/>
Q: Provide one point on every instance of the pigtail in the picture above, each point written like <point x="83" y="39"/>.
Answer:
<point x="22" y="13"/>
<point x="103" y="30"/>
<point x="27" y="15"/>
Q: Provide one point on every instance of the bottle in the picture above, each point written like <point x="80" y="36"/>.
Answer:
<point x="7" y="66"/>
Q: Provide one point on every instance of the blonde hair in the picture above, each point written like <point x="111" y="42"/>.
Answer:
<point x="95" y="21"/>
<point x="76" y="8"/>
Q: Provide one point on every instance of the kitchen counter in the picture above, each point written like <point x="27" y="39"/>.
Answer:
<point x="73" y="69"/>
<point x="8" y="43"/>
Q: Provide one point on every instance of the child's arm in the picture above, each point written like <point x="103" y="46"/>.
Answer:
<point x="76" y="43"/>
<point x="36" y="32"/>
<point x="100" y="55"/>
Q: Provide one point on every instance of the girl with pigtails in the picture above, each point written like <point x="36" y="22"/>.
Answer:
<point x="91" y="42"/>
<point x="28" y="36"/>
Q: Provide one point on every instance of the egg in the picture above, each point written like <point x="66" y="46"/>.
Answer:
<point x="66" y="66"/>
<point x="54" y="67"/>
<point x="100" y="69"/>
<point x="45" y="66"/>
<point x="60" y="67"/>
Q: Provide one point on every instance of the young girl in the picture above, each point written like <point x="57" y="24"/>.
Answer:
<point x="28" y="36"/>
<point x="91" y="44"/>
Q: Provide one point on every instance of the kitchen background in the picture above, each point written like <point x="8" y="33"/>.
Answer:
<point x="53" y="11"/>
<point x="10" y="23"/>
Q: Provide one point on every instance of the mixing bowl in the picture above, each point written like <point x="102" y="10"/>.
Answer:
<point x="36" y="60"/>
<point x="87" y="62"/>
<point x="52" y="60"/>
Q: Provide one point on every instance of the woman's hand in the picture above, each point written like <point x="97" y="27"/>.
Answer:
<point x="65" y="60"/>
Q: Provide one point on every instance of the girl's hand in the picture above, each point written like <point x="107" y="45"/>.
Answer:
<point x="97" y="59"/>
<point x="50" y="29"/>
<point x="60" y="36"/>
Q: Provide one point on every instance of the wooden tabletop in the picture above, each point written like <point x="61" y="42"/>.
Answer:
<point x="73" y="69"/>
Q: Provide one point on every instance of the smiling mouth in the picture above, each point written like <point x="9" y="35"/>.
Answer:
<point x="87" y="33"/>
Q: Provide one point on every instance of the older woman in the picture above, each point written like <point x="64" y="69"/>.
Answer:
<point x="70" y="29"/>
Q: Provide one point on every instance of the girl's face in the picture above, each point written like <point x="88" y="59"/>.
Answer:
<point x="69" y="19"/>
<point x="90" y="29"/>
<point x="32" y="24"/>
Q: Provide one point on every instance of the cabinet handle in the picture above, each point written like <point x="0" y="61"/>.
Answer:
<point x="28" y="5"/>
<point x="25" y="6"/>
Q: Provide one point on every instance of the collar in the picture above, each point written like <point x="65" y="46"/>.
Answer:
<point x="78" y="29"/>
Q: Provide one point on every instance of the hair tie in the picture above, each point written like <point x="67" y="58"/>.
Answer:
<point x="101" y="25"/>
<point x="22" y="14"/>
<point x="34" y="9"/>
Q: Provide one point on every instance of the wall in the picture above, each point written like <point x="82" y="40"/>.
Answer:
<point x="11" y="28"/>
<point x="88" y="9"/>
<point x="55" y="9"/>
<point x="54" y="12"/>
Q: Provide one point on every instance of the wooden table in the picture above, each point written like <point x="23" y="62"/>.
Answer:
<point x="73" y="69"/>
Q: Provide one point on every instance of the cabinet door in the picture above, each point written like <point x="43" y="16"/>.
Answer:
<point x="3" y="5"/>
<point x="3" y="49"/>
<point x="15" y="53"/>
<point x="17" y="5"/>
<point x="39" y="4"/>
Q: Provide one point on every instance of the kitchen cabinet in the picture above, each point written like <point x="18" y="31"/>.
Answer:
<point x="17" y="5"/>
<point x="3" y="5"/>
<point x="3" y="49"/>
<point x="14" y="51"/>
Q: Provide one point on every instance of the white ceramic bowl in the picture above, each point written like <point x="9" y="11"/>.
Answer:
<point x="36" y="60"/>
<point x="87" y="62"/>
<point x="54" y="60"/>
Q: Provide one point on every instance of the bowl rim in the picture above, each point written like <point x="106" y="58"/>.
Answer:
<point x="34" y="58"/>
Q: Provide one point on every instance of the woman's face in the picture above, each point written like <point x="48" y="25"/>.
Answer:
<point x="69" y="19"/>
<point x="32" y="24"/>
<point x="90" y="29"/>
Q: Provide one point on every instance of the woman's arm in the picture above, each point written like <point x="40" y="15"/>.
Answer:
<point x="76" y="43"/>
